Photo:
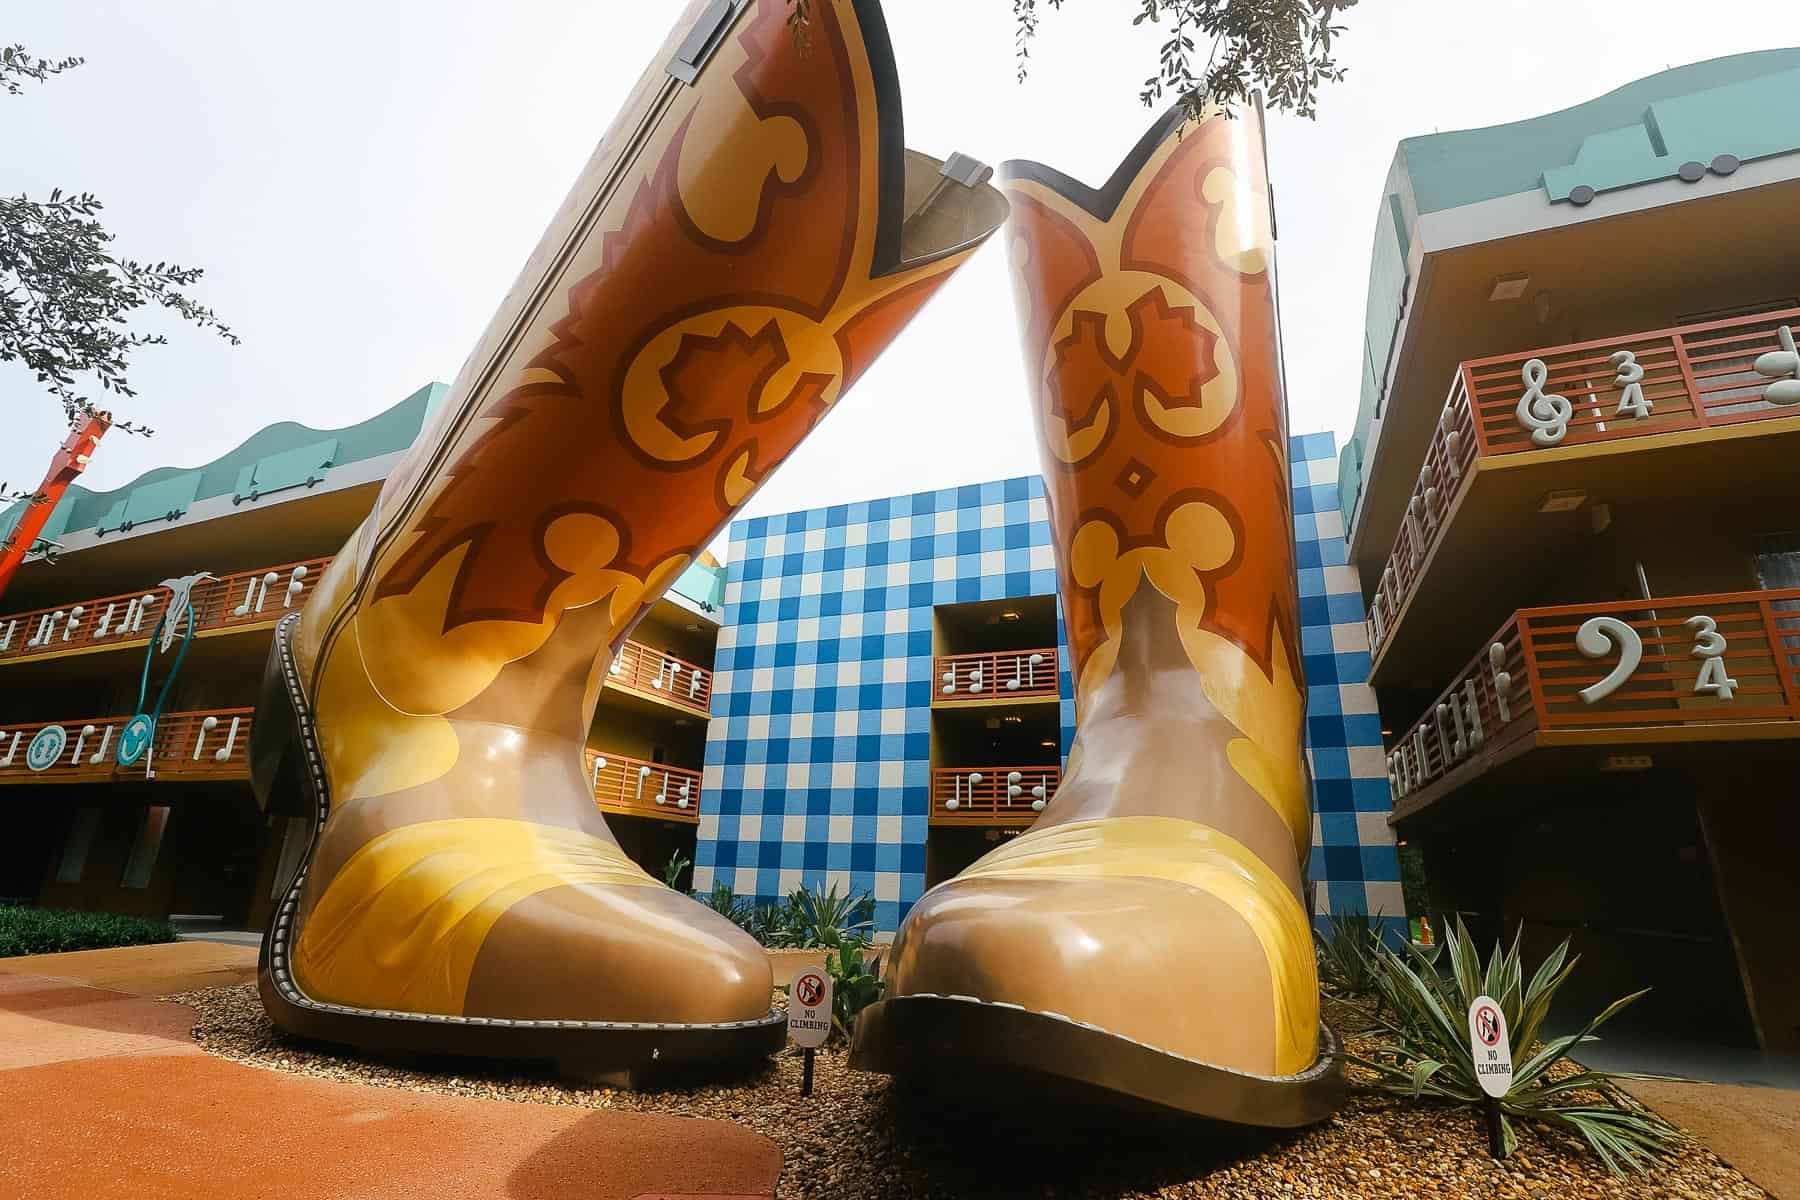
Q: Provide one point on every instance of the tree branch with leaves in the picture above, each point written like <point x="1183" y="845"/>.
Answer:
<point x="1282" y="48"/>
<point x="66" y="301"/>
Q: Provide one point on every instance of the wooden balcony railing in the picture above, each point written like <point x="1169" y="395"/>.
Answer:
<point x="657" y="673"/>
<point x="207" y="744"/>
<point x="248" y="598"/>
<point x="1684" y="668"/>
<point x="624" y="784"/>
<point x="991" y="795"/>
<point x="1000" y="674"/>
<point x="1699" y="376"/>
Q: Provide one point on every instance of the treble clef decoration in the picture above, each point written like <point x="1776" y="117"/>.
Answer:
<point x="1546" y="414"/>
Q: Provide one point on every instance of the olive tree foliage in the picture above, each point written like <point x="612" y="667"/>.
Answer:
<point x="66" y="301"/>
<point x="1214" y="51"/>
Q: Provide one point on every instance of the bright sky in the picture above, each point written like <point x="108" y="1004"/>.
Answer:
<point x="362" y="180"/>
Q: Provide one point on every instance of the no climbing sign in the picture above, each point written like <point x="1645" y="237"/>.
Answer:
<point x="1487" y="1041"/>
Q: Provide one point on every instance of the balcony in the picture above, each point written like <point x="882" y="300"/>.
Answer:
<point x="991" y="795"/>
<point x="998" y="676"/>
<point x="634" y="787"/>
<point x="208" y="744"/>
<point x="660" y="676"/>
<point x="246" y="600"/>
<point x="1620" y="673"/>
<point x="1526" y="442"/>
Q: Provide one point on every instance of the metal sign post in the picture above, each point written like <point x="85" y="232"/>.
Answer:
<point x="1493" y="1064"/>
<point x="809" y="1017"/>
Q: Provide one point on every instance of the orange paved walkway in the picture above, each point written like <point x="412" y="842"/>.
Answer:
<point x="103" y="1094"/>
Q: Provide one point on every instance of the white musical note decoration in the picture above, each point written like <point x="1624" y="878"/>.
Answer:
<point x="949" y="679"/>
<point x="7" y="636"/>
<point x="1783" y="366"/>
<point x="669" y="669"/>
<point x="643" y="774"/>
<point x="81" y="738"/>
<point x="12" y="749"/>
<point x="1013" y="790"/>
<point x="105" y="744"/>
<point x="243" y="609"/>
<point x="46" y="628"/>
<point x="74" y="623"/>
<point x="206" y="727"/>
<point x="618" y="664"/>
<point x="1503" y="680"/>
<point x="143" y="604"/>
<point x="296" y="584"/>
<point x="223" y="753"/>
<point x="695" y="678"/>
<point x="975" y="678"/>
<point x="1452" y="447"/>
<point x="599" y="766"/>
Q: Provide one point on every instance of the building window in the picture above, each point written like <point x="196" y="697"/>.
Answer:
<point x="149" y="843"/>
<point x="1778" y="560"/>
<point x="75" y="849"/>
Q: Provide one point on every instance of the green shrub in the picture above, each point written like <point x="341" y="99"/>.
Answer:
<point x="856" y="983"/>
<point x="28" y="930"/>
<point x="1347" y="959"/>
<point x="728" y="904"/>
<point x="807" y="920"/>
<point x="1423" y="1047"/>
<point x="677" y="867"/>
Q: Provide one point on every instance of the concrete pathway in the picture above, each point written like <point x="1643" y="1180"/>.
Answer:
<point x="104" y="1094"/>
<point x="144" y="970"/>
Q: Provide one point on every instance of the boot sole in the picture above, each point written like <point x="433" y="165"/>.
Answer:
<point x="288" y="776"/>
<point x="946" y="1041"/>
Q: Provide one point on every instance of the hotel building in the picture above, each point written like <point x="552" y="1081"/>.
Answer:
<point x="1572" y="503"/>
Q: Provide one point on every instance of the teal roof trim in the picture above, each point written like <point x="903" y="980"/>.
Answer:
<point x="1468" y="166"/>
<point x="286" y="453"/>
<point x="1754" y="119"/>
<point x="703" y="585"/>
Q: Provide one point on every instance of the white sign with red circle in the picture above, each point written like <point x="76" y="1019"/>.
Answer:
<point x="809" y="1008"/>
<point x="1488" y="1043"/>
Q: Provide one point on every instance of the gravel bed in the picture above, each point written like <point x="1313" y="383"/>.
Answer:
<point x="860" y="1137"/>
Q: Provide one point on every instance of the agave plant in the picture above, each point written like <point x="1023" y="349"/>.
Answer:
<point x="1347" y="958"/>
<point x="1423" y="1048"/>
<point x="856" y="983"/>
<point x="823" y="918"/>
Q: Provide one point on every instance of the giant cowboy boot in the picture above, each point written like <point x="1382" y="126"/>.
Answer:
<point x="1145" y="942"/>
<point x="743" y="244"/>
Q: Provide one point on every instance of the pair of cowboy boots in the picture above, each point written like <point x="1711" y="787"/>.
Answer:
<point x="745" y="241"/>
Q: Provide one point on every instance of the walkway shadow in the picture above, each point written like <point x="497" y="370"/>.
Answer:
<point x="1051" y="1147"/>
<point x="620" y="1155"/>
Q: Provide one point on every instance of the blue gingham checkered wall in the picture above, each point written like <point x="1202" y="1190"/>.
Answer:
<point x="818" y="752"/>
<point x="1355" y="867"/>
